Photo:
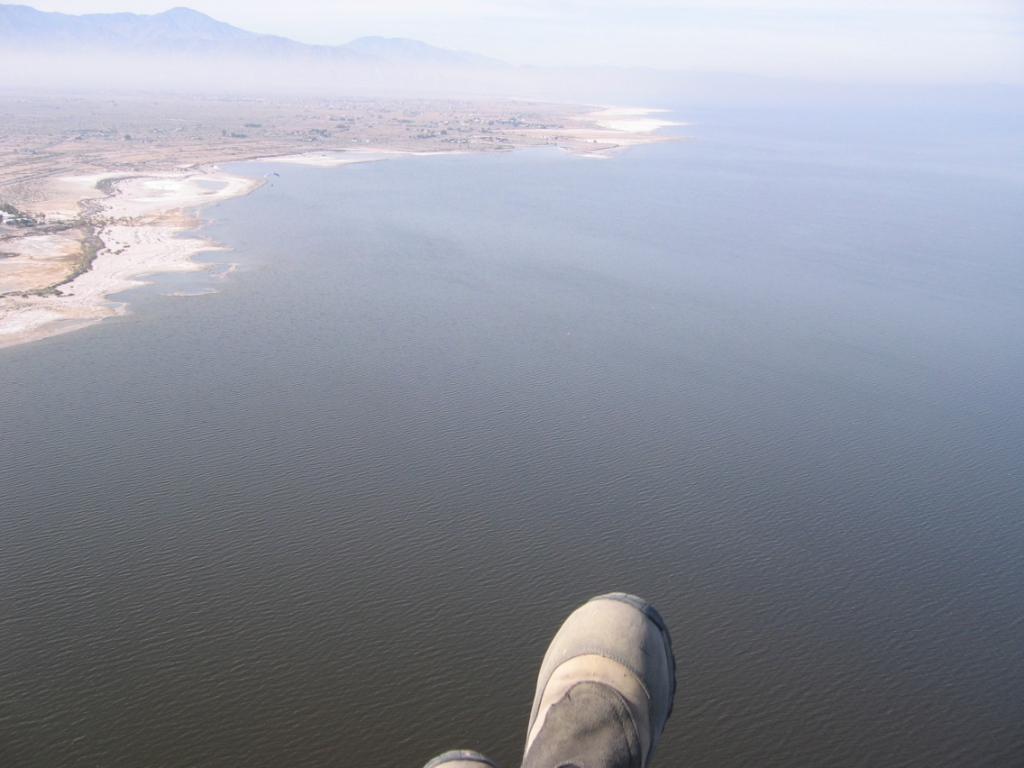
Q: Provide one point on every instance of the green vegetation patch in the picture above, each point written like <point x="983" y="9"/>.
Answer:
<point x="106" y="186"/>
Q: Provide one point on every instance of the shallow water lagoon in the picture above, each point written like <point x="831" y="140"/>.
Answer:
<point x="332" y="514"/>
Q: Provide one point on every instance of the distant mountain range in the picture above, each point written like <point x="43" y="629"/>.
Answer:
<point x="182" y="31"/>
<point x="184" y="50"/>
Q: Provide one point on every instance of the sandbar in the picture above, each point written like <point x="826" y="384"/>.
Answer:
<point x="111" y="185"/>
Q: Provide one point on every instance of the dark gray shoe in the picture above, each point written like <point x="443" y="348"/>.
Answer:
<point x="605" y="688"/>
<point x="461" y="758"/>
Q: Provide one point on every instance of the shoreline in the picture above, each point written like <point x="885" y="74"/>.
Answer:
<point x="133" y="221"/>
<point x="139" y="228"/>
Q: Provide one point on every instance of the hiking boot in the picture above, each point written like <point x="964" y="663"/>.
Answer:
<point x="461" y="758"/>
<point x="605" y="688"/>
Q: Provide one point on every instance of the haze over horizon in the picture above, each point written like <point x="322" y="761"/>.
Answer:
<point x="897" y="42"/>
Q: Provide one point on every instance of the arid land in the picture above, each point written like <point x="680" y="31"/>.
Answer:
<point x="95" y="191"/>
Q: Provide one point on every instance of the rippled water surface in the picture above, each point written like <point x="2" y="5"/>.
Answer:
<point x="331" y="515"/>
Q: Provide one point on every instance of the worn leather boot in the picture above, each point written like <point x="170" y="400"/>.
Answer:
<point x="605" y="688"/>
<point x="461" y="758"/>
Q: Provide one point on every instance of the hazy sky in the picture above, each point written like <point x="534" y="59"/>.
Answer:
<point x="873" y="40"/>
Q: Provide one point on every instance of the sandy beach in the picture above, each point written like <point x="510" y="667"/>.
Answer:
<point x="101" y="229"/>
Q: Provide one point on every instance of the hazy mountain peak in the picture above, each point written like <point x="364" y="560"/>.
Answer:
<point x="176" y="24"/>
<point x="186" y="30"/>
<point x="23" y="25"/>
<point x="180" y="11"/>
<point x="186" y="22"/>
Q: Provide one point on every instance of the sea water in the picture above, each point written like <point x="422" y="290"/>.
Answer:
<point x="768" y="378"/>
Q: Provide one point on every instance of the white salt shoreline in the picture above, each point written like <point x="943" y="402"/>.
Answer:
<point x="631" y="119"/>
<point x="141" y="223"/>
<point x="140" y="227"/>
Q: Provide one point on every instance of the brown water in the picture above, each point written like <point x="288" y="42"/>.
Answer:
<point x="332" y="515"/>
